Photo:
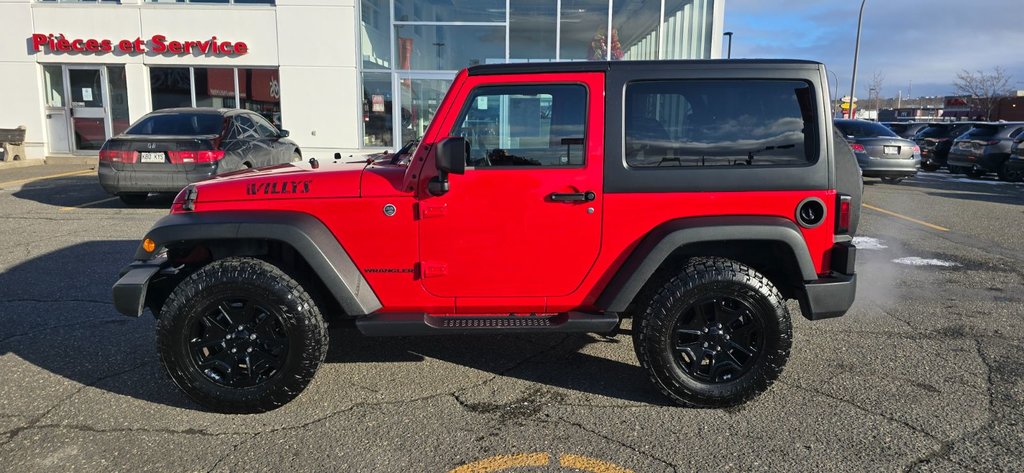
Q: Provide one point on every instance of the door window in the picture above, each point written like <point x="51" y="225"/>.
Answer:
<point x="243" y="128"/>
<point x="263" y="127"/>
<point x="526" y="125"/>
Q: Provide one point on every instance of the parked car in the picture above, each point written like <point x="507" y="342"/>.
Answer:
<point x="880" y="152"/>
<point x="1014" y="168"/>
<point x="984" y="148"/>
<point x="906" y="129"/>
<point x="168" y="149"/>
<point x="936" y="140"/>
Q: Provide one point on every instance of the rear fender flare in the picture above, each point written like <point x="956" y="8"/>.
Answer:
<point x="665" y="239"/>
<point x="303" y="232"/>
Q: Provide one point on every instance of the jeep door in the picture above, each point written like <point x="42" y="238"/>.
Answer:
<point x="525" y="218"/>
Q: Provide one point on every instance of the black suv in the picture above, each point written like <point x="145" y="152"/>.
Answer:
<point x="984" y="149"/>
<point x="936" y="140"/>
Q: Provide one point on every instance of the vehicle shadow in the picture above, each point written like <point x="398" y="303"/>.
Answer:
<point x="78" y="190"/>
<point x="75" y="333"/>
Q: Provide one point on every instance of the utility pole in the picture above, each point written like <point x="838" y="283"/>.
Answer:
<point x="729" y="34"/>
<point x="856" y="56"/>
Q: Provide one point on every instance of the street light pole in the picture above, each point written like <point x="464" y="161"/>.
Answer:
<point x="729" y="34"/>
<point x="856" y="55"/>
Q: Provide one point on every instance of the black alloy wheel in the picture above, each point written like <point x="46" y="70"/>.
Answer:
<point x="716" y="334"/>
<point x="239" y="342"/>
<point x="718" y="338"/>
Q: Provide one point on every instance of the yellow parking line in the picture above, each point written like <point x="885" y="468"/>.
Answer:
<point x="904" y="217"/>
<point x="593" y="465"/>
<point x="504" y="462"/>
<point x="42" y="178"/>
<point x="108" y="199"/>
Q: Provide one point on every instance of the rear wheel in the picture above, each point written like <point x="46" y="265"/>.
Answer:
<point x="892" y="180"/>
<point x="973" y="174"/>
<point x="957" y="170"/>
<point x="930" y="167"/>
<point x="716" y="335"/>
<point x="1010" y="175"/>
<point x="241" y="336"/>
<point x="133" y="198"/>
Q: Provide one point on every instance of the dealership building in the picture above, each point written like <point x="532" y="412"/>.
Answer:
<point x="340" y="75"/>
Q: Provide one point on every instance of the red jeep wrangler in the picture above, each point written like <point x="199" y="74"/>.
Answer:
<point x="694" y="197"/>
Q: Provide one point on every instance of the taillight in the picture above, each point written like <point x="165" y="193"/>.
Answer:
<point x="118" y="156"/>
<point x="844" y="206"/>
<point x="917" y="149"/>
<point x="857" y="148"/>
<point x="991" y="142"/>
<point x="189" y="157"/>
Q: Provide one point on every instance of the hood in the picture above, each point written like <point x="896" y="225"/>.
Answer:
<point x="287" y="181"/>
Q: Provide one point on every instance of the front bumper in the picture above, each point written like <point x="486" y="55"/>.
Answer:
<point x="832" y="296"/>
<point x="115" y="181"/>
<point x="129" y="291"/>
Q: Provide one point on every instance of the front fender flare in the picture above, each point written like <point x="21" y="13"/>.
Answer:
<point x="303" y="232"/>
<point x="666" y="238"/>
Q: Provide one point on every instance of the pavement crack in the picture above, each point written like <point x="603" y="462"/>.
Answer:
<point x="617" y="442"/>
<point x="35" y="421"/>
<point x="57" y="326"/>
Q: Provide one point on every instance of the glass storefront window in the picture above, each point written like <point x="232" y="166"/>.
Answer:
<point x="635" y="26"/>
<point x="53" y="84"/>
<point x="118" y="83"/>
<point x="532" y="30"/>
<point x="377" y="107"/>
<point x="450" y="10"/>
<point x="687" y="29"/>
<point x="258" y="90"/>
<point x="170" y="87"/>
<point x="262" y="2"/>
<point x="215" y="87"/>
<point x="448" y="47"/>
<point x="375" y="34"/>
<point x="584" y="29"/>
<point x="420" y="99"/>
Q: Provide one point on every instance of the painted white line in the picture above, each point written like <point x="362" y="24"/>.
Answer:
<point x="916" y="261"/>
<point x="868" y="243"/>
<point x="87" y="204"/>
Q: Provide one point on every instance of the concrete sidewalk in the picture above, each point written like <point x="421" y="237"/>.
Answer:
<point x="18" y="176"/>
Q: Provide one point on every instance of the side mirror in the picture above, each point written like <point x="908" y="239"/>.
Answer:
<point x="450" y="157"/>
<point x="283" y="133"/>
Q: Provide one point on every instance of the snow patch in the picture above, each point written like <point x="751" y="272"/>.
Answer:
<point x="916" y="261"/>
<point x="868" y="243"/>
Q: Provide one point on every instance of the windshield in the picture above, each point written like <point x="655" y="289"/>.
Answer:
<point x="404" y="155"/>
<point x="179" y="124"/>
<point x="863" y="129"/>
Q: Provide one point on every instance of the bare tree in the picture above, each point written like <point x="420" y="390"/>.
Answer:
<point x="984" y="88"/>
<point x="875" y="88"/>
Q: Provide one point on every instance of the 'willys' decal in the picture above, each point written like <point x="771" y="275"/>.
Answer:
<point x="278" y="187"/>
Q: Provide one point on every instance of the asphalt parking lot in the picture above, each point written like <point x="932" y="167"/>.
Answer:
<point x="926" y="373"/>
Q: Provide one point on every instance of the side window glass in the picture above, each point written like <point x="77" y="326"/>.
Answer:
<point x="243" y="128"/>
<point x="263" y="127"/>
<point x="1016" y="132"/>
<point x="530" y="125"/>
<point x="696" y="123"/>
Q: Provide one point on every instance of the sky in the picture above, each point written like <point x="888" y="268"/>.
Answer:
<point x="921" y="41"/>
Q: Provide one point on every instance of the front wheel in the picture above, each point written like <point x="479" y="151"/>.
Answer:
<point x="241" y="336"/>
<point x="716" y="335"/>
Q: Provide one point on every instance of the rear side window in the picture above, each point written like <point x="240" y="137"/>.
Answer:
<point x="179" y="124"/>
<point x="863" y="129"/>
<point x="695" y="123"/>
<point x="524" y="125"/>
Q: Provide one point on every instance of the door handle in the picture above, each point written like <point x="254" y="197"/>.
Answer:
<point x="587" y="196"/>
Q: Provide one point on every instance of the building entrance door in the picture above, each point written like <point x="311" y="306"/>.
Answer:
<point x="88" y="107"/>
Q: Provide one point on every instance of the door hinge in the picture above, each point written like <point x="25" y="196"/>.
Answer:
<point x="434" y="269"/>
<point x="430" y="211"/>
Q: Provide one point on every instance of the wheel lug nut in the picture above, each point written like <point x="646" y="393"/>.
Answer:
<point x="248" y="350"/>
<point x="252" y="337"/>
<point x="241" y="327"/>
<point x="705" y="344"/>
<point x="230" y="336"/>
<point x="234" y="350"/>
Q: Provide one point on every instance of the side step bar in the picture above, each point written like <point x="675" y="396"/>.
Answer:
<point x="404" y="325"/>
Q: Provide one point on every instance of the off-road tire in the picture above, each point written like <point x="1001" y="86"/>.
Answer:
<point x="133" y="198"/>
<point x="700" y="278"/>
<point x="297" y="316"/>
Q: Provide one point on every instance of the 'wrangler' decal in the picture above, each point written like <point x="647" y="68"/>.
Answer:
<point x="279" y="187"/>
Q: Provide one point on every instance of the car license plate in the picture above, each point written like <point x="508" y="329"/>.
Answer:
<point x="151" y="157"/>
<point x="891" y="150"/>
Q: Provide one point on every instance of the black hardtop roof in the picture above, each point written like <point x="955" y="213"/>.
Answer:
<point x="605" y="66"/>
